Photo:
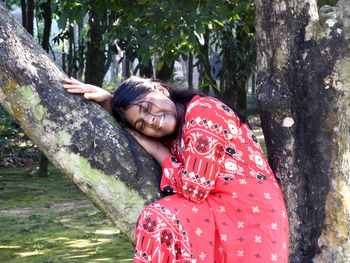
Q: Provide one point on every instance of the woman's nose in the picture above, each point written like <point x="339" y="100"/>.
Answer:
<point x="150" y="120"/>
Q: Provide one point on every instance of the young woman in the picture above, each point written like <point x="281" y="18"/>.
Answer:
<point x="227" y="205"/>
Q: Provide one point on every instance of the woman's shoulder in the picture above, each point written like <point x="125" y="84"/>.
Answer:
<point x="207" y="106"/>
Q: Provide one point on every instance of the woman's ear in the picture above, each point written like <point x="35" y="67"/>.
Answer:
<point x="161" y="89"/>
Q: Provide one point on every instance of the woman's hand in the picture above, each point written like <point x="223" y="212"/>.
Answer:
<point x="152" y="146"/>
<point x="90" y="92"/>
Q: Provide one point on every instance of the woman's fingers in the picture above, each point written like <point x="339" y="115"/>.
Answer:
<point x="73" y="81"/>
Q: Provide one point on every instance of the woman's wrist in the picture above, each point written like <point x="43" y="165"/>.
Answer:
<point x="107" y="104"/>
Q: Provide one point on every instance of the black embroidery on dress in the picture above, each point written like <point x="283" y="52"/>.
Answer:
<point x="201" y="145"/>
<point x="205" y="121"/>
<point x="230" y="151"/>
<point x="273" y="211"/>
<point x="257" y="255"/>
<point x="173" y="159"/>
<point x="254" y="138"/>
<point x="166" y="237"/>
<point x="194" y="164"/>
<point x="251" y="195"/>
<point x="149" y="225"/>
<point x="218" y="151"/>
<point x="225" y="108"/>
<point x="228" y="178"/>
<point x="190" y="189"/>
<point x="216" y="126"/>
<point x="191" y="121"/>
<point x="225" y="131"/>
<point x="178" y="251"/>
<point x="200" y="194"/>
<point x="168" y="189"/>
<point x="241" y="239"/>
<point x="261" y="176"/>
<point x="144" y="255"/>
<point x="205" y="170"/>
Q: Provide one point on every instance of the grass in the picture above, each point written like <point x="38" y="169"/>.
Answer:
<point x="48" y="220"/>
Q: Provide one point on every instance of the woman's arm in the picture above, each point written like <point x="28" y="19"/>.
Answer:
<point x="153" y="147"/>
<point x="90" y="92"/>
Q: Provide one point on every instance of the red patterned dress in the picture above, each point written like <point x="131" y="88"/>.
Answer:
<point x="227" y="205"/>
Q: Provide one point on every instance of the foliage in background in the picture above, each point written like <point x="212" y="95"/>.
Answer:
<point x="326" y="2"/>
<point x="15" y="147"/>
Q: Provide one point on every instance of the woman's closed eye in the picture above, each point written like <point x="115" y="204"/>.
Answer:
<point x="145" y="108"/>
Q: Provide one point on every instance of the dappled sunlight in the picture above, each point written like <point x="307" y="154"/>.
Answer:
<point x="10" y="247"/>
<point x="54" y="239"/>
<point x="77" y="256"/>
<point x="260" y="137"/>
<point x="28" y="254"/>
<point x="87" y="243"/>
<point x="110" y="231"/>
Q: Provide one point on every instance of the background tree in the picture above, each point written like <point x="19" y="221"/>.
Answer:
<point x="304" y="97"/>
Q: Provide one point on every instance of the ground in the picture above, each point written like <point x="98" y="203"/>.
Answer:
<point x="49" y="220"/>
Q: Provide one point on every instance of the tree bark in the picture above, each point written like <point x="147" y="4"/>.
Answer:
<point x="303" y="92"/>
<point x="165" y="72"/>
<point x="47" y="25"/>
<point x="190" y="71"/>
<point x="96" y="54"/>
<point x="30" y="17"/>
<point x="24" y="13"/>
<point x="77" y="136"/>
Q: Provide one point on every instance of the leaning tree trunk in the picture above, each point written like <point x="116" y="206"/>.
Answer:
<point x="77" y="136"/>
<point x="303" y="89"/>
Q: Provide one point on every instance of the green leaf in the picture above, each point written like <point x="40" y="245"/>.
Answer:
<point x="62" y="21"/>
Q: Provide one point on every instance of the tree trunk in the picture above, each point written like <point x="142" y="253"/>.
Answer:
<point x="77" y="136"/>
<point x="43" y="165"/>
<point x="46" y="7"/>
<point x="166" y="71"/>
<point x="146" y="71"/>
<point x="303" y="91"/>
<point x="190" y="71"/>
<point x="71" y="49"/>
<point x="95" y="55"/>
<point x="24" y="13"/>
<point x="47" y="25"/>
<point x="30" y="17"/>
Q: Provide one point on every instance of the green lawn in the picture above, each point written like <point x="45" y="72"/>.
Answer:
<point x="49" y="220"/>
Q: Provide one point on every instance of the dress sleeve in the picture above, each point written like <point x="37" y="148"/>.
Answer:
<point x="202" y="150"/>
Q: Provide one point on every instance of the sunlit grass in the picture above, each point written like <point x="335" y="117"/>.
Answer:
<point x="45" y="220"/>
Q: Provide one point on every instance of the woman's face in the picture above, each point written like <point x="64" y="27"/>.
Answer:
<point x="154" y="115"/>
